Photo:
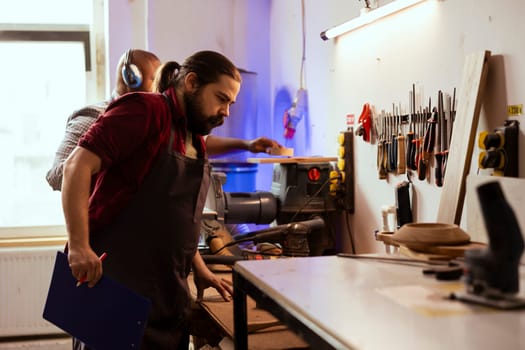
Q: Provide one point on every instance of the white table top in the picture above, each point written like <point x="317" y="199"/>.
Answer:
<point x="363" y="304"/>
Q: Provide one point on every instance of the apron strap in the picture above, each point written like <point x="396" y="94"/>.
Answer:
<point x="172" y="111"/>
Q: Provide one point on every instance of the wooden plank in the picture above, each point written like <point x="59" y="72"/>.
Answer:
<point x="461" y="147"/>
<point x="282" y="151"/>
<point x="292" y="160"/>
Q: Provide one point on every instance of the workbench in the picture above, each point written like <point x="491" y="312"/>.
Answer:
<point x="343" y="303"/>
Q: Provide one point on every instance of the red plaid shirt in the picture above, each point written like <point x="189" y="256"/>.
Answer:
<point x="128" y="137"/>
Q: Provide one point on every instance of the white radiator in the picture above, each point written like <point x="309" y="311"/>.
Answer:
<point x="25" y="274"/>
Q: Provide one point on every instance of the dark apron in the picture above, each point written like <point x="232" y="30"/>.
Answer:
<point x="151" y="246"/>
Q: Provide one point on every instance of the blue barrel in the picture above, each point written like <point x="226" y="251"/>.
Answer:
<point x="240" y="176"/>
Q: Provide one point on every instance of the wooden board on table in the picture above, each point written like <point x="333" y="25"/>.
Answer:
<point x="281" y="151"/>
<point x="292" y="160"/>
<point x="471" y="91"/>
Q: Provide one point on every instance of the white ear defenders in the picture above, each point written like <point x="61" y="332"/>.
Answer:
<point x="130" y="72"/>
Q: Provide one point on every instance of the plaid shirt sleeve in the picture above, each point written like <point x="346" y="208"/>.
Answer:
<point x="77" y="125"/>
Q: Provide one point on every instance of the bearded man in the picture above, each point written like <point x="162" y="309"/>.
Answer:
<point x="147" y="157"/>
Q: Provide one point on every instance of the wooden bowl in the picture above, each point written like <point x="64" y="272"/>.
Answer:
<point x="418" y="236"/>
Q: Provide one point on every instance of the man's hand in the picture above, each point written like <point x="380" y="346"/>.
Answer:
<point x="262" y="144"/>
<point x="208" y="279"/>
<point x="85" y="264"/>
<point x="204" y="278"/>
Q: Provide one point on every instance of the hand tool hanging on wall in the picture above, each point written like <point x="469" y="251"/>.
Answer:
<point x="401" y="145"/>
<point x="428" y="146"/>
<point x="381" y="148"/>
<point x="422" y="116"/>
<point x="388" y="142"/>
<point x="403" y="206"/>
<point x="393" y="148"/>
<point x="439" y="142"/>
<point x="444" y="135"/>
<point x="411" y="145"/>
<point x="365" y="123"/>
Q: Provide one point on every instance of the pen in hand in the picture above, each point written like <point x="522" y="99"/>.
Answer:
<point x="83" y="279"/>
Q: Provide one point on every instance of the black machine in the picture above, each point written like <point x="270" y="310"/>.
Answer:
<point x="299" y="207"/>
<point x="492" y="274"/>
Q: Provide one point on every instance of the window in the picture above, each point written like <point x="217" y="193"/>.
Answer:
<point x="46" y="70"/>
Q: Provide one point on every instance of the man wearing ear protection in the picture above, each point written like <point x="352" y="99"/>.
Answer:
<point x="147" y="156"/>
<point x="136" y="71"/>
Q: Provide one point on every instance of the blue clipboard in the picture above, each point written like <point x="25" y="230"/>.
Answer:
<point x="107" y="316"/>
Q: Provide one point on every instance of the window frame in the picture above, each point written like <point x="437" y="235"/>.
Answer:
<point x="47" y="32"/>
<point x="93" y="40"/>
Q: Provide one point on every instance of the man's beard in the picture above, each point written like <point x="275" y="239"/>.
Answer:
<point x="198" y="122"/>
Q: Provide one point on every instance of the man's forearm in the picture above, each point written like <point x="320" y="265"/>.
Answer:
<point x="78" y="170"/>
<point x="75" y="203"/>
<point x="198" y="263"/>
<point x="219" y="145"/>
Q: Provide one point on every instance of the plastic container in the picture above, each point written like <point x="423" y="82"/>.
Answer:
<point x="240" y="176"/>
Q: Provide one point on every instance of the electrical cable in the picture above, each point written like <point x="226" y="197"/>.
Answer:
<point x="299" y="107"/>
<point x="253" y="236"/>
<point x="302" y="79"/>
<point x="312" y="197"/>
<point x="268" y="250"/>
<point x="247" y="239"/>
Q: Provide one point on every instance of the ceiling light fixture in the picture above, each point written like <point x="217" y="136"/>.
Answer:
<point x="368" y="17"/>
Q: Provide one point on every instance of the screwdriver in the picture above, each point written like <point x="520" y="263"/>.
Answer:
<point x="421" y="164"/>
<point x="381" y="149"/>
<point x="411" y="150"/>
<point x="428" y="146"/>
<point x="393" y="147"/>
<point x="401" y="152"/>
<point x="388" y="144"/>
<point x="439" y="154"/>
<point x="385" y="143"/>
<point x="418" y="141"/>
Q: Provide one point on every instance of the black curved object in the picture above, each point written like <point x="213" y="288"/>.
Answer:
<point x="495" y="271"/>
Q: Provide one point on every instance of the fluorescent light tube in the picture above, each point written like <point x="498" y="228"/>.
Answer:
<point x="368" y="17"/>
